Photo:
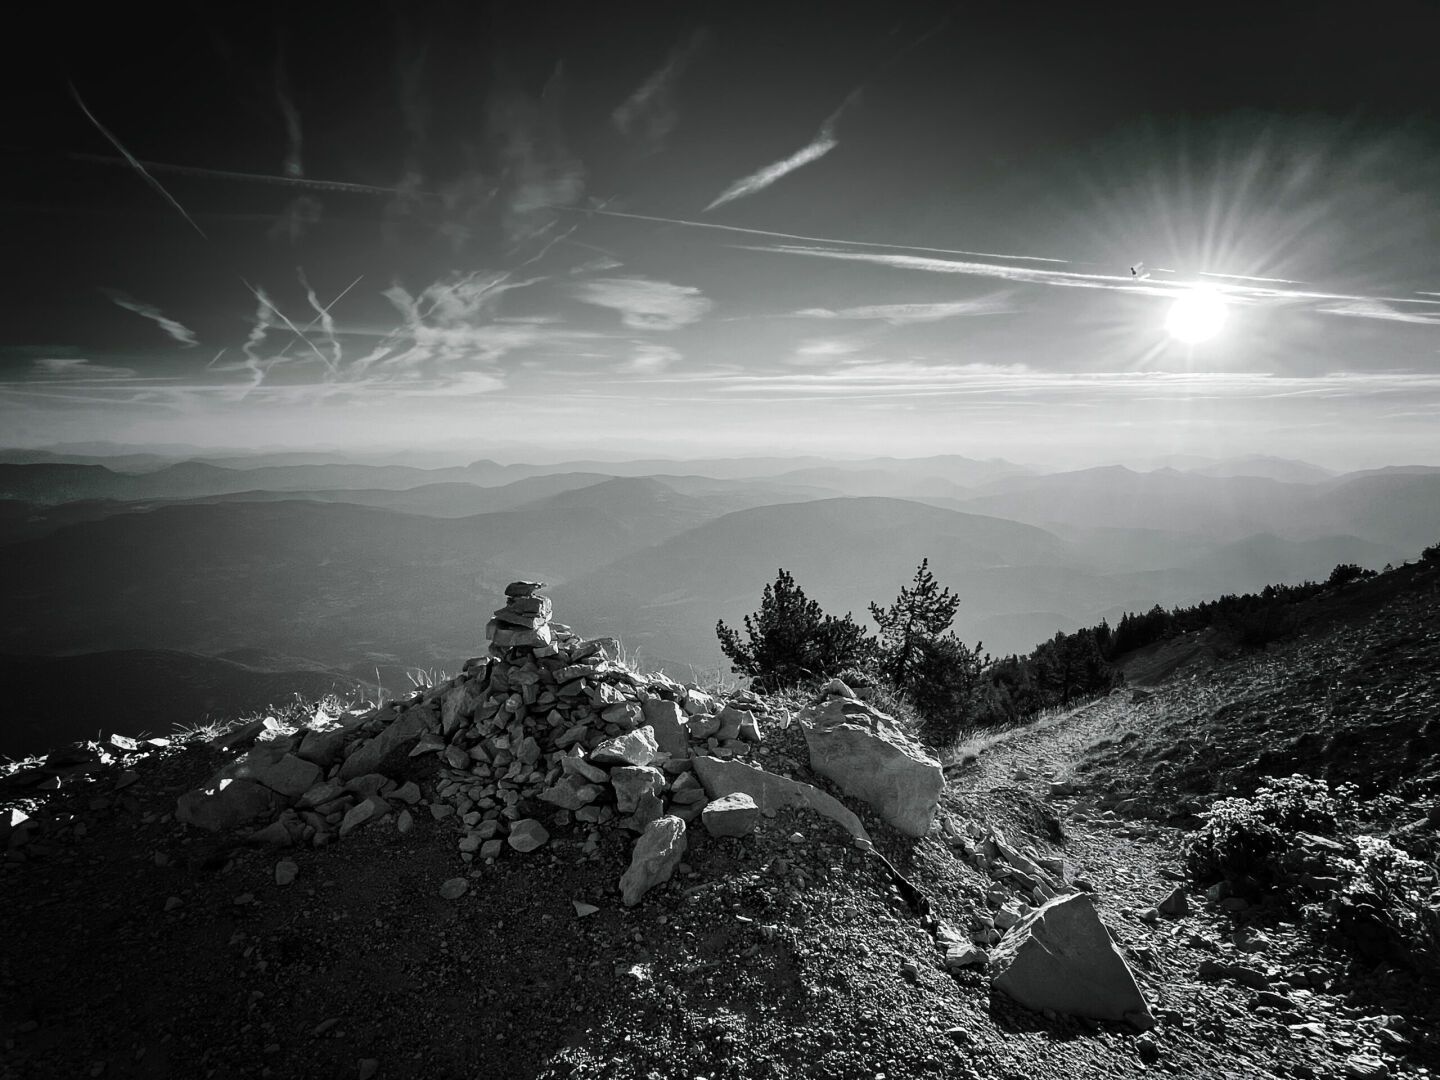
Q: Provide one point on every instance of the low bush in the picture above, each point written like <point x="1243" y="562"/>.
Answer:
<point x="1287" y="841"/>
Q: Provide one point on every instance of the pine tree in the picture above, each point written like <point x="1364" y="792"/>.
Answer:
<point x="921" y="613"/>
<point x="790" y="639"/>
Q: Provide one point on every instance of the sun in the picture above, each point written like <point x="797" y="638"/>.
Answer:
<point x="1197" y="316"/>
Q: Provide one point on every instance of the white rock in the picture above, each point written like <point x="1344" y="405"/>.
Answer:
<point x="871" y="757"/>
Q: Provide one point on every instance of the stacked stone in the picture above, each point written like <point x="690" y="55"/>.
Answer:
<point x="547" y="731"/>
<point x="524" y="621"/>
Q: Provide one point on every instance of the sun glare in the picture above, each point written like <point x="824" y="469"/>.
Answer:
<point x="1197" y="316"/>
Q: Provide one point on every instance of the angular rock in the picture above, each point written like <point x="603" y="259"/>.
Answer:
<point x="285" y="872"/>
<point x="772" y="792"/>
<point x="285" y="774"/>
<point x="702" y="725"/>
<point x="632" y="783"/>
<point x="323" y="747"/>
<point x="362" y="813"/>
<point x="871" y="757"/>
<point x="227" y="804"/>
<point x="965" y="954"/>
<point x="657" y="854"/>
<point x="457" y="706"/>
<point x="1061" y="957"/>
<point x="523" y="588"/>
<point x="527" y="834"/>
<point x="571" y="792"/>
<point x="1175" y="905"/>
<point x="668" y="723"/>
<point x="386" y="752"/>
<point x="730" y="815"/>
<point x="276" y="834"/>
<point x="731" y="720"/>
<point x="636" y="747"/>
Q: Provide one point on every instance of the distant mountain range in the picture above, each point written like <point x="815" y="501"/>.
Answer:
<point x="344" y="568"/>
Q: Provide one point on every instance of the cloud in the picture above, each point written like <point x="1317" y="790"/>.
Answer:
<point x="1373" y="307"/>
<point x="1376" y="309"/>
<point x="649" y="114"/>
<point x="824" y="141"/>
<point x="180" y="333"/>
<point x="649" y="360"/>
<point x="70" y="367"/>
<point x="822" y="350"/>
<point x="644" y="304"/>
<point x="900" y="314"/>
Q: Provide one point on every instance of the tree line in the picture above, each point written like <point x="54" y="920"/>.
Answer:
<point x="949" y="685"/>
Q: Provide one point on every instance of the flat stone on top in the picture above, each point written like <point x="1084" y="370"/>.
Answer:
<point x="524" y="588"/>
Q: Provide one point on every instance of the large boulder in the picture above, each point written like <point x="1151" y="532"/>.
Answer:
<point x="387" y="750"/>
<point x="871" y="757"/>
<point x="657" y="854"/>
<point x="1061" y="957"/>
<point x="227" y="803"/>
<point x="772" y="792"/>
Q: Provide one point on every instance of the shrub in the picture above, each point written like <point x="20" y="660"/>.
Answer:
<point x="1431" y="553"/>
<point x="1245" y="838"/>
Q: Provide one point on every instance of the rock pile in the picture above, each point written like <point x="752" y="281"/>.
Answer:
<point x="546" y="731"/>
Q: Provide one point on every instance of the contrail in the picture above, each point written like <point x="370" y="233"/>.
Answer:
<point x="135" y="162"/>
<point x="324" y="312"/>
<point x="795" y="236"/>
<point x="295" y="329"/>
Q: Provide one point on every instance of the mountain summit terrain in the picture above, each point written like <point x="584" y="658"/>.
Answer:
<point x="555" y="865"/>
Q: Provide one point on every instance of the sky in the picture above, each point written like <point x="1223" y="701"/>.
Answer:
<point x="543" y="230"/>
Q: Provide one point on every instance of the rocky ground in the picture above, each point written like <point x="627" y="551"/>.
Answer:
<point x="140" y="946"/>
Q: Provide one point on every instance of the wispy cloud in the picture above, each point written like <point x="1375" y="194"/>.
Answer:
<point x="645" y="304"/>
<point x="1374" y="307"/>
<point x="649" y="359"/>
<point x="649" y="114"/>
<point x="1378" y="309"/>
<point x="176" y="330"/>
<point x="71" y="367"/>
<point x="1018" y="383"/>
<point x="824" y="141"/>
<point x="900" y="314"/>
<point x="822" y="350"/>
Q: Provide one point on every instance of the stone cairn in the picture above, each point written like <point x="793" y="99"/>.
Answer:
<point x="547" y="731"/>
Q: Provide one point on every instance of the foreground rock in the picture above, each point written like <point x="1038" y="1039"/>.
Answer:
<point x="657" y="854"/>
<point x="1061" y="957"/>
<point x="871" y="757"/>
